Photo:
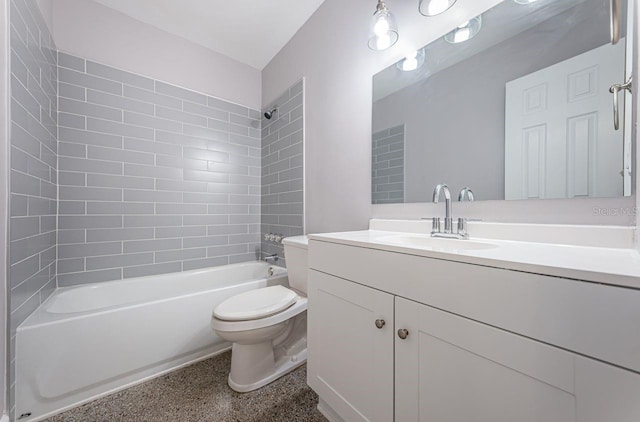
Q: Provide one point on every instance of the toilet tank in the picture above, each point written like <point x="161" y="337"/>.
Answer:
<point x="295" y="253"/>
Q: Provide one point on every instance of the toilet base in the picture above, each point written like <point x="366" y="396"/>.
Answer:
<point x="256" y="365"/>
<point x="281" y="367"/>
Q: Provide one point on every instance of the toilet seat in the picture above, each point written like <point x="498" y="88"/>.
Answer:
<point x="255" y="304"/>
<point x="232" y="326"/>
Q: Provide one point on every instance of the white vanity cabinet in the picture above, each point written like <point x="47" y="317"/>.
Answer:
<point x="350" y="345"/>
<point x="450" y="365"/>
<point x="451" y="368"/>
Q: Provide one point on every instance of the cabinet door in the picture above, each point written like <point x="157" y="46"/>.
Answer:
<point x="606" y="393"/>
<point x="350" y="363"/>
<point x="457" y="370"/>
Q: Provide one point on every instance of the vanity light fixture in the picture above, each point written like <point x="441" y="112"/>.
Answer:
<point x="412" y="61"/>
<point x="435" y="7"/>
<point x="383" y="30"/>
<point x="465" y="32"/>
<point x="525" y="1"/>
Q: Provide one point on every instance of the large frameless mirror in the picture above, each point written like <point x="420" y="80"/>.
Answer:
<point x="514" y="104"/>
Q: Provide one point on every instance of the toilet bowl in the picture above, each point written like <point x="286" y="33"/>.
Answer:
<point x="267" y="326"/>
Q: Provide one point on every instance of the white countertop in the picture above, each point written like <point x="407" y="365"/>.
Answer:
<point x="615" y="266"/>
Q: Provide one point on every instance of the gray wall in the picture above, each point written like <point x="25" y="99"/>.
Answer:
<point x="46" y="10"/>
<point x="455" y="118"/>
<point x="32" y="250"/>
<point x="90" y="30"/>
<point x="282" y="169"/>
<point x="636" y="115"/>
<point x="330" y="52"/>
<point x="4" y="192"/>
<point x="387" y="165"/>
<point x="153" y="178"/>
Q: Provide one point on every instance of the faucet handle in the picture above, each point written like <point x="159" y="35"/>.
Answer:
<point x="462" y="226"/>
<point x="466" y="192"/>
<point x="435" y="225"/>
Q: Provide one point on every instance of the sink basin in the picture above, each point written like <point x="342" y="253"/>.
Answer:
<point x="438" y="243"/>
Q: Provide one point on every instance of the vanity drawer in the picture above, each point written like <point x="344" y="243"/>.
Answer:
<point x="596" y="320"/>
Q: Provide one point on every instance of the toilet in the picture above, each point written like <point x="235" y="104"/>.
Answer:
<point x="267" y="326"/>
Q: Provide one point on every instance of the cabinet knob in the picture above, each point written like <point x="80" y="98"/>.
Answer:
<point x="403" y="333"/>
<point x="380" y="323"/>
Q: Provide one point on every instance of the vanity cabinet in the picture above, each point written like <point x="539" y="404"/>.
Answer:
<point x="350" y="345"/>
<point x="451" y="368"/>
<point x="447" y="367"/>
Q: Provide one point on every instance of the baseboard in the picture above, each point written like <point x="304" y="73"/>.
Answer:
<point x="328" y="412"/>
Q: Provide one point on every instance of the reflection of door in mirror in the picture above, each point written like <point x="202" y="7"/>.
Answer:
<point x="559" y="139"/>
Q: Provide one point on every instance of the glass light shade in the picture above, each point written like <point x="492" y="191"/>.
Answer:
<point x="465" y="32"/>
<point x="525" y="1"/>
<point x="383" y="30"/>
<point x="434" y="7"/>
<point x="412" y="61"/>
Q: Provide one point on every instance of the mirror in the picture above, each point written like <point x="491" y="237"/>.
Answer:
<point x="514" y="104"/>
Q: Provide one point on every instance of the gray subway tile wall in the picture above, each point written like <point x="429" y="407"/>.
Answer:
<point x="282" y="170"/>
<point x="387" y="166"/>
<point x="33" y="201"/>
<point x="154" y="178"/>
<point x="115" y="175"/>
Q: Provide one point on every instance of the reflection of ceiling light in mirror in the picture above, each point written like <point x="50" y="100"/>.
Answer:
<point x="465" y="31"/>
<point x="412" y="61"/>
<point x="383" y="31"/>
<point x="434" y="7"/>
<point x="525" y="1"/>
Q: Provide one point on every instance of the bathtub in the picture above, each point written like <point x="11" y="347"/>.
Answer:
<point x="88" y="341"/>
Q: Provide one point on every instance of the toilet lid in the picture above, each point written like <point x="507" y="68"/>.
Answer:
<point x="254" y="304"/>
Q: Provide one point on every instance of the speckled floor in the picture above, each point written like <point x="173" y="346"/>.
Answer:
<point x="200" y="393"/>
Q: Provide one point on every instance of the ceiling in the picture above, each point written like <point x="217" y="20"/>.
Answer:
<point x="249" y="31"/>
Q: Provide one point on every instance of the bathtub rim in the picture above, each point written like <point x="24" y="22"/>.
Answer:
<point x="41" y="317"/>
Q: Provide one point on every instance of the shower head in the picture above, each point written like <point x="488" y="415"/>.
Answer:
<point x="269" y="114"/>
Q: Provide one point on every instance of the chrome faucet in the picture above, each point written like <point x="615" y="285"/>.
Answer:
<point x="448" y="232"/>
<point x="271" y="259"/>
<point x="447" y="200"/>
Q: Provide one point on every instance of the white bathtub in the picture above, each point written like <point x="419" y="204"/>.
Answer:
<point x="89" y="341"/>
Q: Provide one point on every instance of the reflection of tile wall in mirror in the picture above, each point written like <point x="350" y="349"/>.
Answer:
<point x="453" y="107"/>
<point x="387" y="166"/>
